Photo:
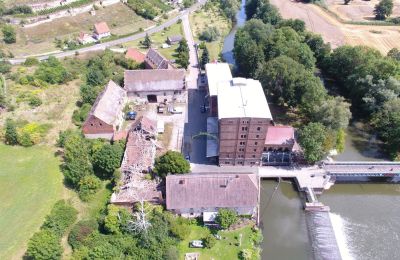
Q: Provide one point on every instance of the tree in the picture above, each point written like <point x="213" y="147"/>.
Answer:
<point x="394" y="54"/>
<point x="183" y="54"/>
<point x="296" y="24"/>
<point x="340" y="140"/>
<point x="89" y="93"/>
<point x="180" y="228"/>
<point x="11" y="135"/>
<point x="107" y="159"/>
<point x="312" y="138"/>
<point x="205" y="58"/>
<point x="226" y="218"/>
<point x="147" y="41"/>
<point x="52" y="71"/>
<point x="316" y="43"/>
<point x="44" y="245"/>
<point x="76" y="159"/>
<point x="210" y="34"/>
<point x="210" y="241"/>
<point x="333" y="113"/>
<point x="171" y="163"/>
<point x="9" y="35"/>
<point x="248" y="54"/>
<point x="383" y="9"/>
<point x="88" y="186"/>
<point x="111" y="221"/>
<point x="188" y="3"/>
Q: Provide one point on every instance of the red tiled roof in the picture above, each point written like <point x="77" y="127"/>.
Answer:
<point x="280" y="135"/>
<point x="135" y="55"/>
<point x="101" y="27"/>
<point x="121" y="135"/>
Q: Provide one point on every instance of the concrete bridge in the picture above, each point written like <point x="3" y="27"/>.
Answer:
<point x="362" y="169"/>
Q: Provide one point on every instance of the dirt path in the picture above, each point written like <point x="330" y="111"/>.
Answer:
<point x="317" y="20"/>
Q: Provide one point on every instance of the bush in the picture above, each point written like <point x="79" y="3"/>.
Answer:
<point x="9" y="35"/>
<point x="63" y="135"/>
<point x="44" y="245"/>
<point x="81" y="231"/>
<point x="88" y="186"/>
<point x="34" y="101"/>
<point x="32" y="133"/>
<point x="210" y="241"/>
<point x="226" y="218"/>
<point x="11" y="135"/>
<point x="210" y="34"/>
<point x="61" y="217"/>
<point x="107" y="159"/>
<point x="30" y="61"/>
<point x="79" y="116"/>
<point x="52" y="71"/>
<point x="180" y="228"/>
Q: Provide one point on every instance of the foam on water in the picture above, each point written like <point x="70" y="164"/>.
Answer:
<point x="341" y="229"/>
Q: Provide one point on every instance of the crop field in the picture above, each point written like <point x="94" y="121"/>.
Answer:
<point x="40" y="38"/>
<point x="333" y="31"/>
<point x="30" y="183"/>
<point x="358" y="10"/>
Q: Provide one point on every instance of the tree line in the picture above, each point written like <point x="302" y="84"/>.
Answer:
<point x="286" y="59"/>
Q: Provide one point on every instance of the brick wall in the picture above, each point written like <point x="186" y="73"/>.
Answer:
<point x="93" y="125"/>
<point x="241" y="140"/>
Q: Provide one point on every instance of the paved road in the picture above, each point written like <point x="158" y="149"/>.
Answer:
<point x="103" y="46"/>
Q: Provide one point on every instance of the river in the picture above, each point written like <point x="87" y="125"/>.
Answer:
<point x="365" y="217"/>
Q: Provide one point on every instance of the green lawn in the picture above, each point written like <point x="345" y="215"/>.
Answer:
<point x="226" y="248"/>
<point x="30" y="183"/>
<point x="158" y="39"/>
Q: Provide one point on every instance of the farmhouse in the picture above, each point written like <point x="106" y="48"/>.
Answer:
<point x="85" y="38"/>
<point x="171" y="40"/>
<point x="160" y="85"/>
<point x="135" y="54"/>
<point x="154" y="60"/>
<point x="106" y="116"/>
<point x="203" y="194"/>
<point x="101" y="30"/>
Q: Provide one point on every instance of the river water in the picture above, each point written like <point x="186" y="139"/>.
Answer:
<point x="365" y="217"/>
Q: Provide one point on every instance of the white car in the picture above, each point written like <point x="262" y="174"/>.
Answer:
<point x="175" y="110"/>
<point x="196" y="243"/>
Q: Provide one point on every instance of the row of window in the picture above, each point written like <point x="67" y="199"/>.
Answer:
<point x="240" y="163"/>
<point x="243" y="143"/>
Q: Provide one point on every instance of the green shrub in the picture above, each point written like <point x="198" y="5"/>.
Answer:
<point x="44" y="245"/>
<point x="180" y="228"/>
<point x="81" y="231"/>
<point x="11" y="135"/>
<point x="79" y="115"/>
<point x="30" y="61"/>
<point x="52" y="71"/>
<point x="226" y="218"/>
<point x="210" y="34"/>
<point x="61" y="217"/>
<point x="34" y="101"/>
<point x="88" y="186"/>
<point x="9" y="35"/>
<point x="171" y="162"/>
<point x="210" y="241"/>
<point x="107" y="159"/>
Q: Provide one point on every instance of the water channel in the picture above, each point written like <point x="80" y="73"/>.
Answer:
<point x="365" y="217"/>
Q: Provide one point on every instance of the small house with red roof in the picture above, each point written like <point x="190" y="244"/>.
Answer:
<point x="101" y="30"/>
<point x="135" y="54"/>
<point x="85" y="38"/>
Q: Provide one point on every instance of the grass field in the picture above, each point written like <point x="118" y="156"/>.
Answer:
<point x="202" y="19"/>
<point x="225" y="249"/>
<point x="158" y="39"/>
<point x="30" y="183"/>
<point x="40" y="39"/>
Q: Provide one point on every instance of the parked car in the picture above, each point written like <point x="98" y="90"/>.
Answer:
<point x="196" y="243"/>
<point x="161" y="108"/>
<point x="131" y="115"/>
<point x="175" y="110"/>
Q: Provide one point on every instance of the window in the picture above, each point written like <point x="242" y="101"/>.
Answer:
<point x="257" y="136"/>
<point x="165" y="93"/>
<point x="101" y="124"/>
<point x="254" y="156"/>
<point x="255" y="150"/>
<point x="255" y="143"/>
<point x="244" y="128"/>
<point x="258" y="128"/>
<point x="227" y="163"/>
<point x="230" y="122"/>
<point x="252" y="163"/>
<point x="243" y="136"/>
<point x="241" y="149"/>
<point x="91" y="124"/>
<point x="242" y="143"/>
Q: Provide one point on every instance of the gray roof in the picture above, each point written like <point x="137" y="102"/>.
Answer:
<point x="109" y="103"/>
<point x="174" y="38"/>
<point x="154" y="80"/>
<point x="156" y="60"/>
<point x="211" y="190"/>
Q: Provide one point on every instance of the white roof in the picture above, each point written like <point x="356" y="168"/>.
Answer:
<point x="242" y="97"/>
<point x="217" y="73"/>
<point x="209" y="216"/>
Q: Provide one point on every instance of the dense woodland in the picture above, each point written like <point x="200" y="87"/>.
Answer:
<point x="325" y="88"/>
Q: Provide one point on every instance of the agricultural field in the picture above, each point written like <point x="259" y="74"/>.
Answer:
<point x="358" y="10"/>
<point x="40" y="39"/>
<point x="30" y="183"/>
<point x="317" y="20"/>
<point x="202" y="19"/>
